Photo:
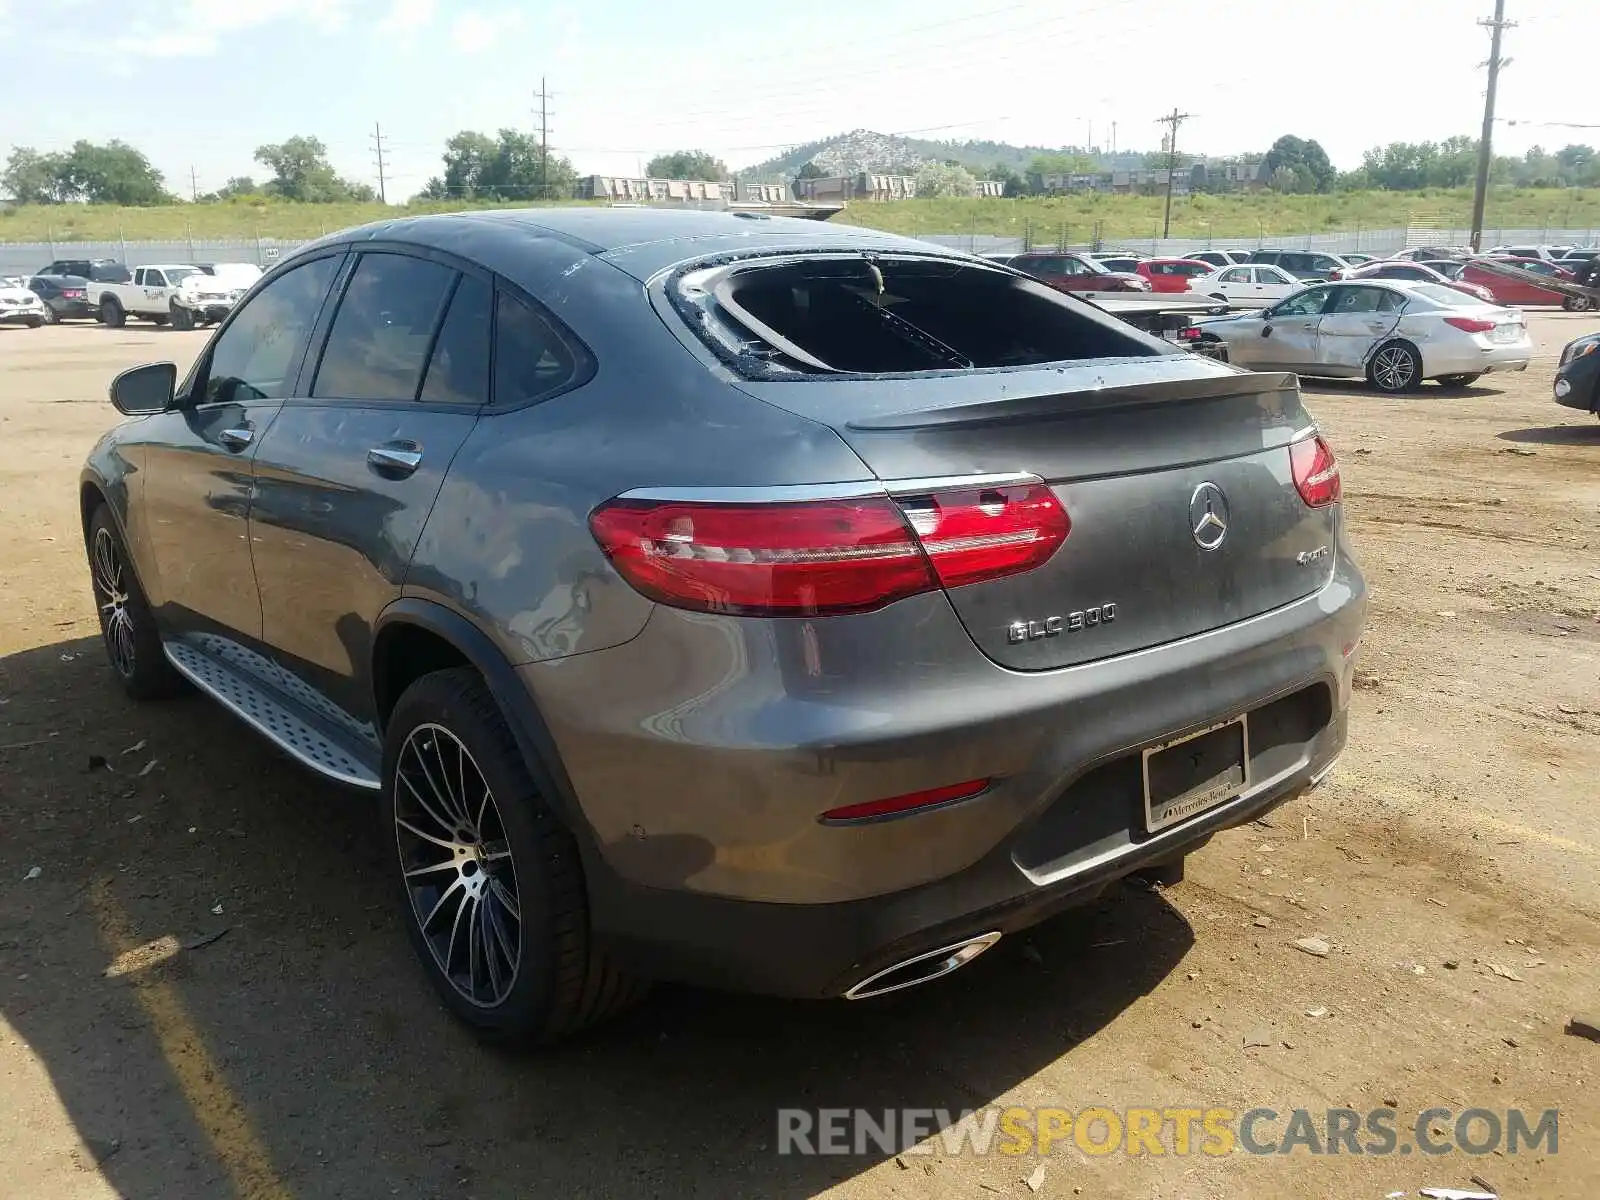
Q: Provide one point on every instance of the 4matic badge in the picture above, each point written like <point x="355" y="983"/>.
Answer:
<point x="1072" y="622"/>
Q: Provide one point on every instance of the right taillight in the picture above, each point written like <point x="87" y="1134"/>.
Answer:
<point x="822" y="557"/>
<point x="1316" y="472"/>
<point x="1470" y="324"/>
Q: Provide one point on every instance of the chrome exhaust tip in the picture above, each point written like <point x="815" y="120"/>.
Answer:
<point x="924" y="968"/>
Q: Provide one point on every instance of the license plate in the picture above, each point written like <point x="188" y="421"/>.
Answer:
<point x="1188" y="775"/>
<point x="1506" y="333"/>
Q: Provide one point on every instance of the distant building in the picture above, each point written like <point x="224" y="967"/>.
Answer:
<point x="1235" y="174"/>
<point x="640" y="191"/>
<point x="841" y="189"/>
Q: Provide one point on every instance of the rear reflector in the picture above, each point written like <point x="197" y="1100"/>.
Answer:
<point x="1316" y="472"/>
<point x="1470" y="324"/>
<point x="822" y="557"/>
<point x="896" y="805"/>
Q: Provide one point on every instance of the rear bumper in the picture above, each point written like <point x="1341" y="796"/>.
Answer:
<point x="701" y="754"/>
<point x="1470" y="358"/>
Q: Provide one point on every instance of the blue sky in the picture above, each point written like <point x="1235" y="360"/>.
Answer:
<point x="201" y="83"/>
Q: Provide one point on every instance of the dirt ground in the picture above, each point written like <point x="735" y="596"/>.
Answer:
<point x="301" y="1055"/>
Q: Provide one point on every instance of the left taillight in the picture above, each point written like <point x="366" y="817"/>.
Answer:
<point x="1470" y="324"/>
<point x="1316" y="472"/>
<point x="822" y="557"/>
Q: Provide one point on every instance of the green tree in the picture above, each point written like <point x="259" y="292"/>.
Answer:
<point x="1306" y="158"/>
<point x="509" y="166"/>
<point x="1013" y="183"/>
<point x="1063" y="164"/>
<point x="301" y="172"/>
<point x="239" y="185"/>
<point x="687" y="164"/>
<point x="33" y="178"/>
<point x="940" y="179"/>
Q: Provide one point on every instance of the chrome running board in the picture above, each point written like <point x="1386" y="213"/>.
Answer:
<point x="272" y="717"/>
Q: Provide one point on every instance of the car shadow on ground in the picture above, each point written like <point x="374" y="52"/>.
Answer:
<point x="1555" y="435"/>
<point x="1430" y="390"/>
<point x="301" y="1053"/>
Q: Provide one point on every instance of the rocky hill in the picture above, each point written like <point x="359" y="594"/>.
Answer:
<point x="863" y="150"/>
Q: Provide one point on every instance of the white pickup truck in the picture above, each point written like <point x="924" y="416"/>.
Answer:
<point x="187" y="296"/>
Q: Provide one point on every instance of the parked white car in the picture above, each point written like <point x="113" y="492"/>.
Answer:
<point x="1220" y="258"/>
<point x="19" y="306"/>
<point x="1393" y="332"/>
<point x="1248" y="286"/>
<point x="178" y="293"/>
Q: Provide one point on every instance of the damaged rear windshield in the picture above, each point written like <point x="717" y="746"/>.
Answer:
<point x="882" y="314"/>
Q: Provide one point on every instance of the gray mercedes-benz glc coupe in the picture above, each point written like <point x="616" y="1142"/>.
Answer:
<point x="743" y="601"/>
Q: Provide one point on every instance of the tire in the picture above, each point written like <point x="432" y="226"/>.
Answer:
<point x="127" y="626"/>
<point x="34" y="322"/>
<point x="1460" y="381"/>
<point x="1395" y="368"/>
<point x="1578" y="304"/>
<point x="447" y="736"/>
<point x="182" y="318"/>
<point x="111" y="314"/>
<point x="158" y="319"/>
<point x="51" y="316"/>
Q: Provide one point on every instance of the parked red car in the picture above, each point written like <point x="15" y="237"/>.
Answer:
<point x="1172" y="274"/>
<point x="1514" y="291"/>
<point x="1401" y="269"/>
<point x="1067" y="272"/>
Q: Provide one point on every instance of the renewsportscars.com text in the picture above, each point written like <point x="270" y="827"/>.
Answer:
<point x="1172" y="1131"/>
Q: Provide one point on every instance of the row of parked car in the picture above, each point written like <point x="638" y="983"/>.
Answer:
<point x="1252" y="278"/>
<point x="184" y="295"/>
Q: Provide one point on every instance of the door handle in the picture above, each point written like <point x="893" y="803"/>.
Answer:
<point x="399" y="459"/>
<point x="236" y="439"/>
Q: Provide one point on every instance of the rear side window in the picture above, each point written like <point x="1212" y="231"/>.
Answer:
<point x="384" y="329"/>
<point x="531" y="358"/>
<point x="458" y="372"/>
<point x="825" y="314"/>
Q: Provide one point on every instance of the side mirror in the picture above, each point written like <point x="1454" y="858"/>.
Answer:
<point x="141" y="391"/>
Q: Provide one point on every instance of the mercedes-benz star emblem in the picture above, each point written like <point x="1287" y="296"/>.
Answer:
<point x="1208" y="516"/>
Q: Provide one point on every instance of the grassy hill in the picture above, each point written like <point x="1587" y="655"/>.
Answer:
<point x="1131" y="218"/>
<point x="1261" y="215"/>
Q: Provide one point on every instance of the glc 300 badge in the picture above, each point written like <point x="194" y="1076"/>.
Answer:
<point x="1072" y="622"/>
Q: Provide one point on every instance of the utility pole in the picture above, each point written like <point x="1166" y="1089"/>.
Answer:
<point x="1480" y="193"/>
<point x="1172" y="122"/>
<point x="1113" y="139"/>
<point x="194" y="186"/>
<point x="377" y="143"/>
<point x="543" y="97"/>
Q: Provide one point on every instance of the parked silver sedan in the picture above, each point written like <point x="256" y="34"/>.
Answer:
<point x="1393" y="332"/>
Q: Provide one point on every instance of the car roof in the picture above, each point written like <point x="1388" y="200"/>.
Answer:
<point x="640" y="241"/>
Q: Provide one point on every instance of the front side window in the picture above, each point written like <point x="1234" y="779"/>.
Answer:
<point x="1302" y="304"/>
<point x="255" y="357"/>
<point x="384" y="328"/>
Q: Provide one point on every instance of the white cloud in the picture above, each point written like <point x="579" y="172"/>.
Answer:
<point x="408" y="16"/>
<point x="197" y="27"/>
<point x="477" y="31"/>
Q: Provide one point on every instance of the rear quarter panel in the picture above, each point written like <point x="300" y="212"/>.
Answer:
<point x="508" y="543"/>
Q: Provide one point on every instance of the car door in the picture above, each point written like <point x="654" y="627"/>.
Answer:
<point x="349" y="471"/>
<point x="153" y="288"/>
<point x="191" y="501"/>
<point x="1288" y="335"/>
<point x="1235" y="284"/>
<point x="1355" y="319"/>
<point x="1273" y="284"/>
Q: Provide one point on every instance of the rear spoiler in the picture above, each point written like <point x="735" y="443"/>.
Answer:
<point x="1142" y="394"/>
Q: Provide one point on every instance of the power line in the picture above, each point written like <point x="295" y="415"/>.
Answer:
<point x="1173" y="121"/>
<point x="1480" y="191"/>
<point x="377" y="142"/>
